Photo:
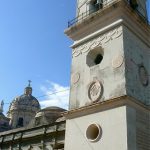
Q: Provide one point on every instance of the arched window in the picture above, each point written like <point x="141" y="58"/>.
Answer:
<point x="20" y="122"/>
<point x="133" y="3"/>
<point x="95" y="5"/>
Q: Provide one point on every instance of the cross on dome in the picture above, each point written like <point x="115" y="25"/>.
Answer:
<point x="29" y="83"/>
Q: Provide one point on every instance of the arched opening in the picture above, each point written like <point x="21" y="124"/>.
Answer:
<point x="20" y="122"/>
<point x="95" y="5"/>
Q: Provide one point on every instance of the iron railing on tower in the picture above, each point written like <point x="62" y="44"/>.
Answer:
<point x="99" y="8"/>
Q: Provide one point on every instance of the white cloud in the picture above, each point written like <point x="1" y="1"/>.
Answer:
<point x="57" y="95"/>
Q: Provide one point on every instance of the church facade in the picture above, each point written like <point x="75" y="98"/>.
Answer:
<point x="109" y="106"/>
<point x="28" y="127"/>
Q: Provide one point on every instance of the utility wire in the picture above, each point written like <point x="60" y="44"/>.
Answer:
<point x="53" y="93"/>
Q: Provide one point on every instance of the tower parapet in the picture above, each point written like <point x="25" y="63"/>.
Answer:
<point x="87" y="8"/>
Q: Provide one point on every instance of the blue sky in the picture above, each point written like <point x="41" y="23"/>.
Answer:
<point x="33" y="46"/>
<point x="148" y="9"/>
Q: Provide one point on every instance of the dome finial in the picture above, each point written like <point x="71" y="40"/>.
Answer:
<point x="29" y="83"/>
<point x="28" y="89"/>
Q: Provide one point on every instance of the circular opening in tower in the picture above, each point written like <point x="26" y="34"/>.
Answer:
<point x="93" y="132"/>
<point x="94" y="57"/>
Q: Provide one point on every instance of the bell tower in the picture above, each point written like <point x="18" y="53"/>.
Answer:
<point x="109" y="105"/>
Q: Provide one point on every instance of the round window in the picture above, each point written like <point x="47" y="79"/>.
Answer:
<point x="93" y="132"/>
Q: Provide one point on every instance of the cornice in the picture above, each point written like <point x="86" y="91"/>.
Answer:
<point x="106" y="105"/>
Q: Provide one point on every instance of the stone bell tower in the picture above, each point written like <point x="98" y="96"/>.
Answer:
<point x="110" y="76"/>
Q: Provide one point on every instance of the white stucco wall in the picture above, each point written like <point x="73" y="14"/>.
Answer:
<point x="114" y="131"/>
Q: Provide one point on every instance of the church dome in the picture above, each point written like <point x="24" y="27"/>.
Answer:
<point x="27" y="102"/>
<point x="23" y="108"/>
<point x="47" y="115"/>
<point x="53" y="109"/>
<point x="50" y="113"/>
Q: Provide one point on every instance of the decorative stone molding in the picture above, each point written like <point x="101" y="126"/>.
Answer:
<point x="75" y="78"/>
<point x="117" y="61"/>
<point x="95" y="91"/>
<point x="99" y="41"/>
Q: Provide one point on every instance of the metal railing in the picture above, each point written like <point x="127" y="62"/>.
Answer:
<point x="86" y="14"/>
<point x="100" y="7"/>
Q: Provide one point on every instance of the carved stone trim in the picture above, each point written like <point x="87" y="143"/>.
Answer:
<point x="95" y="91"/>
<point x="99" y="41"/>
<point x="117" y="61"/>
<point x="75" y="78"/>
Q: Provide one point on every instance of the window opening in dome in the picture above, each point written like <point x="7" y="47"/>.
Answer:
<point x="20" y="122"/>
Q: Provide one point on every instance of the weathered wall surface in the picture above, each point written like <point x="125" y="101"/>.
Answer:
<point x="122" y="127"/>
<point x="112" y="123"/>
<point x="138" y="125"/>
<point x="143" y="130"/>
<point x="110" y="72"/>
<point x="137" y="64"/>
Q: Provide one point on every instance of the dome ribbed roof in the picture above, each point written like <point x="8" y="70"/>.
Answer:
<point x="47" y="115"/>
<point x="53" y="108"/>
<point x="27" y="102"/>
